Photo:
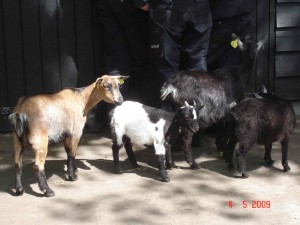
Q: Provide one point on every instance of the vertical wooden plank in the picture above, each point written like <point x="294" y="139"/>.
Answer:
<point x="263" y="31"/>
<point x="67" y="33"/>
<point x="84" y="36"/>
<point x="32" y="47"/>
<point x="50" y="46"/>
<point x="3" y="75"/>
<point x="271" y="74"/>
<point x="98" y="45"/>
<point x="14" y="50"/>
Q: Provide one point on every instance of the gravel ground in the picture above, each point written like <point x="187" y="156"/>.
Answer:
<point x="211" y="195"/>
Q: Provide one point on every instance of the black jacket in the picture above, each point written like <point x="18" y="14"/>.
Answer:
<point x="224" y="9"/>
<point x="140" y="3"/>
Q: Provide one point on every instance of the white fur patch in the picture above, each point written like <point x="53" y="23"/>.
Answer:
<point x="194" y="114"/>
<point x="130" y="119"/>
<point x="54" y="121"/>
<point x="169" y="89"/>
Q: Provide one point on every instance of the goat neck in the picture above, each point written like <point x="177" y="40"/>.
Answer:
<point x="91" y="96"/>
<point x="174" y="130"/>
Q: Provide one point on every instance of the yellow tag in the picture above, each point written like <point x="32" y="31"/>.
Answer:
<point x="234" y="43"/>
<point x="121" y="81"/>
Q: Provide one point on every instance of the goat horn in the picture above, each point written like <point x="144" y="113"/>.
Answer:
<point x="186" y="104"/>
<point x="194" y="103"/>
<point x="264" y="89"/>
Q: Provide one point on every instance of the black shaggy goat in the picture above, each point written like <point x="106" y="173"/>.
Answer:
<point x="135" y="124"/>
<point x="217" y="90"/>
<point x="264" y="119"/>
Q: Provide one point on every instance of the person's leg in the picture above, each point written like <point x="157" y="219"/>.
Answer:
<point x="195" y="38"/>
<point x="165" y="34"/>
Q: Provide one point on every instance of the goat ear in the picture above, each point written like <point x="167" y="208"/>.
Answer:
<point x="98" y="81"/>
<point x="264" y="89"/>
<point x="122" y="77"/>
<point x="233" y="36"/>
<point x="236" y="42"/>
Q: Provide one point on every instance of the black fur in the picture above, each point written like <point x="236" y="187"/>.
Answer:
<point x="155" y="114"/>
<point x="216" y="90"/>
<point x="42" y="182"/>
<point x="71" y="168"/>
<point x="262" y="120"/>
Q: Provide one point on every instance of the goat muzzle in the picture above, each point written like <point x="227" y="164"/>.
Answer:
<point x="119" y="101"/>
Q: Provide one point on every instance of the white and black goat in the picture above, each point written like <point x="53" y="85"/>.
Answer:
<point x="264" y="119"/>
<point x="216" y="90"/>
<point x="44" y="118"/>
<point x="134" y="124"/>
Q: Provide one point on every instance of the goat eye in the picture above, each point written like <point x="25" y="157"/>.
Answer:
<point x="106" y="85"/>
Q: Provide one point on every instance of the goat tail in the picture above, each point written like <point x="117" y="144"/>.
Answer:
<point x="19" y="123"/>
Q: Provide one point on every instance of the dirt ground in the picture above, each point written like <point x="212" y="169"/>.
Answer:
<point x="204" y="196"/>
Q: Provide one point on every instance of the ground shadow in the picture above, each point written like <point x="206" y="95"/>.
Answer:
<point x="52" y="167"/>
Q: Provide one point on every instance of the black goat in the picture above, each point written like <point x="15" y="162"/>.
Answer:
<point x="263" y="120"/>
<point x="217" y="90"/>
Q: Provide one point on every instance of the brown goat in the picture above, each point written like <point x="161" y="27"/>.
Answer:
<point x="44" y="118"/>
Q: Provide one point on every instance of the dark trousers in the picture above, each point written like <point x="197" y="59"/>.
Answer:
<point x="179" y="35"/>
<point x="124" y="32"/>
<point x="124" y="43"/>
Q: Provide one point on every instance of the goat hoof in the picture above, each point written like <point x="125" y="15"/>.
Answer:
<point x="245" y="175"/>
<point x="137" y="166"/>
<point x="168" y="166"/>
<point x="195" y="166"/>
<point x="73" y="177"/>
<point x="117" y="170"/>
<point x="19" y="192"/>
<point x="49" y="193"/>
<point x="269" y="162"/>
<point x="165" y="179"/>
<point x="286" y="168"/>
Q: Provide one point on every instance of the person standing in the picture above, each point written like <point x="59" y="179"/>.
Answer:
<point x="179" y="35"/>
<point x="125" y="51"/>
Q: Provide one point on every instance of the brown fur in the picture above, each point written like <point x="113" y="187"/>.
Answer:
<point x="61" y="116"/>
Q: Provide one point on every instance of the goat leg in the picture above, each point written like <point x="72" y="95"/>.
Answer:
<point x="116" y="149"/>
<point x="228" y="153"/>
<point x="187" y="148"/>
<point x="19" y="187"/>
<point x="221" y="136"/>
<point x="130" y="153"/>
<point x="168" y="157"/>
<point x="268" y="159"/>
<point x="71" y="168"/>
<point x="42" y="182"/>
<point x="161" y="168"/>
<point x="241" y="164"/>
<point x="18" y="166"/>
<point x="285" y="145"/>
